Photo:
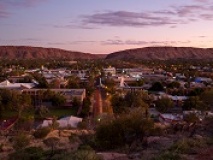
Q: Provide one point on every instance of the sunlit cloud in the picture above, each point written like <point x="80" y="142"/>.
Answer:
<point x="173" y="16"/>
<point x="141" y="43"/>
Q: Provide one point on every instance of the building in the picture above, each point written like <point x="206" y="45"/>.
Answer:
<point x="110" y="70"/>
<point x="16" y="86"/>
<point x="69" y="94"/>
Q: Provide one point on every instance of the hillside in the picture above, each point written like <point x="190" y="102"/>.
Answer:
<point x="163" y="53"/>
<point x="25" y="52"/>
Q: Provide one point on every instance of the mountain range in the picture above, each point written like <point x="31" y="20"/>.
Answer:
<point x="163" y="53"/>
<point x="147" y="53"/>
<point x="26" y="52"/>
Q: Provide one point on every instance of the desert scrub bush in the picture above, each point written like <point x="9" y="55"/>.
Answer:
<point x="168" y="156"/>
<point x="74" y="138"/>
<point x="30" y="153"/>
<point x="187" y="145"/>
<point x="20" y="141"/>
<point x="42" y="132"/>
<point x="88" y="139"/>
<point x="157" y="131"/>
<point x="85" y="153"/>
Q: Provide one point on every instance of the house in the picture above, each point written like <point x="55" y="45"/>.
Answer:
<point x="110" y="70"/>
<point x="170" y="118"/>
<point x="16" y="86"/>
<point x="203" y="80"/>
<point x="70" y="121"/>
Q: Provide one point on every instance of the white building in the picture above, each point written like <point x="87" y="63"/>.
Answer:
<point x="110" y="70"/>
<point x="16" y="86"/>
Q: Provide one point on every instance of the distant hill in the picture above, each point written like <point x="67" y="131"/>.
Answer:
<point x="25" y="52"/>
<point x="163" y="53"/>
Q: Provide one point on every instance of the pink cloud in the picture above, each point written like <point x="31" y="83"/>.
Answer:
<point x="6" y="5"/>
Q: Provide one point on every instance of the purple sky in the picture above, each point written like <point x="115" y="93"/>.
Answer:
<point x="104" y="26"/>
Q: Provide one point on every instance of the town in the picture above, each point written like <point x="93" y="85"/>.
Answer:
<point x="134" y="109"/>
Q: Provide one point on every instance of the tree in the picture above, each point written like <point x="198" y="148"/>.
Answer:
<point x="163" y="104"/>
<point x="194" y="102"/>
<point x="55" y="83"/>
<point x="124" y="130"/>
<point x="157" y="86"/>
<point x="73" y="82"/>
<point x="207" y="97"/>
<point x="25" y="123"/>
<point x="23" y="103"/>
<point x="191" y="118"/>
<point x="42" y="111"/>
<point x="76" y="103"/>
<point x="41" y="80"/>
<point x="58" y="100"/>
<point x="110" y="85"/>
<point x="174" y="84"/>
<point x="118" y="104"/>
<point x="86" y="107"/>
<point x="135" y="99"/>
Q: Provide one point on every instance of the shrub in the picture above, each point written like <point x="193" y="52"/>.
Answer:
<point x="41" y="133"/>
<point x="82" y="125"/>
<point x="87" y="154"/>
<point x="31" y="153"/>
<point x="168" y="155"/>
<point x="186" y="145"/>
<point x="191" y="118"/>
<point x="74" y="138"/>
<point x="20" y="141"/>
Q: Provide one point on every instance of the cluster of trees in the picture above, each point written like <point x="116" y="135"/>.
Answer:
<point x="13" y="100"/>
<point x="135" y="99"/>
<point x="202" y="102"/>
<point x="124" y="130"/>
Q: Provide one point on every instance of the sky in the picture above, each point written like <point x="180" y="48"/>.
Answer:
<point x="106" y="26"/>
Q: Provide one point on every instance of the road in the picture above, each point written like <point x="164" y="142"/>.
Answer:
<point x="97" y="105"/>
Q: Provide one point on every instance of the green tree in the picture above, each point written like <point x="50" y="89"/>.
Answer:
<point x="76" y="103"/>
<point x="58" y="100"/>
<point x="194" y="102"/>
<point x="163" y="104"/>
<point x="124" y="130"/>
<point x="42" y="111"/>
<point x="207" y="97"/>
<point x="157" y="86"/>
<point x="174" y="84"/>
<point x="110" y="85"/>
<point x="23" y="103"/>
<point x="118" y="104"/>
<point x="135" y="99"/>
<point x="55" y="83"/>
<point x="73" y="82"/>
<point x="41" y="80"/>
<point x="86" y="107"/>
<point x="191" y="118"/>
